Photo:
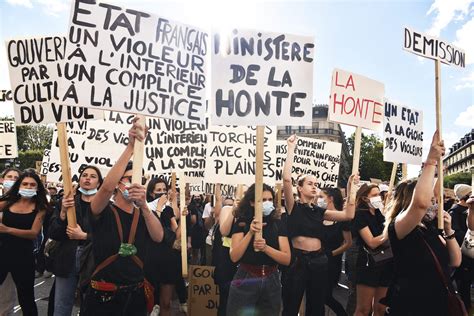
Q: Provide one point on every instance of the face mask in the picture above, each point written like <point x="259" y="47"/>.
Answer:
<point x="88" y="192"/>
<point x="376" y="202"/>
<point x="27" y="193"/>
<point x="267" y="208"/>
<point x="322" y="203"/>
<point x="7" y="184"/>
<point x="158" y="195"/>
<point x="431" y="213"/>
<point x="125" y="192"/>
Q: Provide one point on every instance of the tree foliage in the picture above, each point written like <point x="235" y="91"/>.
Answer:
<point x="457" y="178"/>
<point x="34" y="137"/>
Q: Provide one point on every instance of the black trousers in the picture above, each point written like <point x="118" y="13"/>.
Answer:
<point x="125" y="303"/>
<point x="309" y="273"/>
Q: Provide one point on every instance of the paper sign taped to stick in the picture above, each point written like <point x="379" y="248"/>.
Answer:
<point x="8" y="143"/>
<point x="433" y="48"/>
<point x="5" y="95"/>
<point x="356" y="100"/>
<point x="261" y="78"/>
<point x="312" y="156"/>
<point x="135" y="62"/>
<point x="231" y="155"/>
<point x="35" y="66"/>
<point x="203" y="292"/>
<point x="403" y="134"/>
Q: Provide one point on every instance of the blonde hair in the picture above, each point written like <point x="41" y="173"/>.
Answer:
<point x="400" y="201"/>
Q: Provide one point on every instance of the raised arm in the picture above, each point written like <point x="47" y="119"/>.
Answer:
<point x="287" y="182"/>
<point x="421" y="200"/>
<point x="348" y="212"/>
<point x="113" y="177"/>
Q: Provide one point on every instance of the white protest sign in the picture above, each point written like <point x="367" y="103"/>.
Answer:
<point x="318" y="157"/>
<point x="356" y="100"/>
<point x="135" y="62"/>
<point x="231" y="155"/>
<point x="45" y="162"/>
<point x="5" y="95"/>
<point x="261" y="78"/>
<point x="280" y="158"/>
<point x="8" y="144"/>
<point x="434" y="48"/>
<point x="35" y="66"/>
<point x="403" y="134"/>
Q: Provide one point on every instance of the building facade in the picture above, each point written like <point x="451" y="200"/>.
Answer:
<point x="461" y="155"/>
<point x="323" y="129"/>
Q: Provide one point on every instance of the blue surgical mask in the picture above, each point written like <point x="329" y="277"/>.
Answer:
<point x="27" y="193"/>
<point x="267" y="208"/>
<point x="322" y="203"/>
<point x="7" y="184"/>
<point x="88" y="192"/>
<point x="125" y="192"/>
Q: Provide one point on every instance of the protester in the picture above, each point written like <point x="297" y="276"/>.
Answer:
<point x="419" y="288"/>
<point x="464" y="274"/>
<point x="197" y="230"/>
<point x="23" y="208"/>
<point x="309" y="272"/>
<point x="121" y="232"/>
<point x="337" y="239"/>
<point x="74" y="243"/>
<point x="162" y="266"/>
<point x="7" y="288"/>
<point x="256" y="285"/>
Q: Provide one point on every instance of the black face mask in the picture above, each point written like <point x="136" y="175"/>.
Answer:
<point x="158" y="195"/>
<point x="198" y="201"/>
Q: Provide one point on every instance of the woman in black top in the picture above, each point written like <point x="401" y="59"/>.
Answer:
<point x="73" y="240"/>
<point x="309" y="271"/>
<point x="256" y="287"/>
<point x="337" y="239"/>
<point x="418" y="288"/>
<point x="23" y="209"/>
<point x="372" y="280"/>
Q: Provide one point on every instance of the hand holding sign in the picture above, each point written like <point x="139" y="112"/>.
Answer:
<point x="137" y="131"/>
<point x="437" y="150"/>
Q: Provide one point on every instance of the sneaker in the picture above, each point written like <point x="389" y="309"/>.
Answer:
<point x="183" y="308"/>
<point x="155" y="311"/>
<point x="47" y="274"/>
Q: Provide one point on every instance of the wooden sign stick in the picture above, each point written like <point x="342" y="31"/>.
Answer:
<point x="138" y="149"/>
<point x="355" y="162"/>
<point x="66" y="172"/>
<point x="404" y="171"/>
<point x="278" y="196"/>
<point x="182" y="220"/>
<point x="392" y="178"/>
<point x="438" y="127"/>
<point x="259" y="177"/>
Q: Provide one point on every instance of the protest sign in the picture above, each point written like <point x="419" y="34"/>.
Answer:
<point x="5" y="95"/>
<point x="260" y="78"/>
<point x="318" y="157"/>
<point x="203" y="292"/>
<point x="8" y="144"/>
<point x="135" y="62"/>
<point x="403" y="134"/>
<point x="45" y="162"/>
<point x="356" y="100"/>
<point x="433" y="48"/>
<point x="231" y="155"/>
<point x="35" y="66"/>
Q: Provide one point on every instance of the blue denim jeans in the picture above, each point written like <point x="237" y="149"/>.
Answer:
<point x="250" y="295"/>
<point x="66" y="289"/>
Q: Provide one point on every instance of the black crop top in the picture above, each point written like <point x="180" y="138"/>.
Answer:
<point x="306" y="220"/>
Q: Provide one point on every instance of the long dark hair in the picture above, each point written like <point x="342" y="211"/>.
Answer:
<point x="362" y="193"/>
<point x="246" y="210"/>
<point x="13" y="196"/>
<point x="336" y="196"/>
<point x="151" y="187"/>
<point x="99" y="174"/>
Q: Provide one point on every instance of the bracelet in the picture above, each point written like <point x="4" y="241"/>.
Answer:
<point x="447" y="237"/>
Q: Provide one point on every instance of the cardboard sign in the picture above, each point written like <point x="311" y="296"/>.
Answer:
<point x="45" y="162"/>
<point x="356" y="100"/>
<point x="203" y="292"/>
<point x="231" y="155"/>
<point x="433" y="48"/>
<point x="5" y="95"/>
<point x="35" y="66"/>
<point x="312" y="156"/>
<point x="135" y="62"/>
<point x="261" y="78"/>
<point x="403" y="134"/>
<point x="8" y="144"/>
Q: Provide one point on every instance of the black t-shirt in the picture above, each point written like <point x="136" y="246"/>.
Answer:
<point x="271" y="231"/>
<point x="458" y="219"/>
<point x="107" y="243"/>
<point x="165" y="217"/>
<point x="306" y="220"/>
<point x="421" y="290"/>
<point x="333" y="237"/>
<point x="363" y="218"/>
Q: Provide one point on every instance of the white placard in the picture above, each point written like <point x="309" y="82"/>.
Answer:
<point x="261" y="78"/>
<point x="8" y="143"/>
<point x="403" y="134"/>
<point x="356" y="100"/>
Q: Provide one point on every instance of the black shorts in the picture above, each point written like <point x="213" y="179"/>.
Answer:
<point x="371" y="275"/>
